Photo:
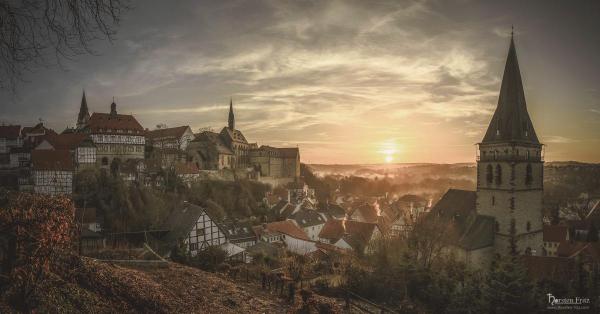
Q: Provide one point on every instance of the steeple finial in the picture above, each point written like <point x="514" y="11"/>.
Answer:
<point x="512" y="31"/>
<point x="231" y="121"/>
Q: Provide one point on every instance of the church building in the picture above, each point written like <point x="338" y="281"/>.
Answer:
<point x="229" y="149"/>
<point x="508" y="199"/>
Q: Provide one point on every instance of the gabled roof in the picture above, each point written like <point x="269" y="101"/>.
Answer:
<point x="57" y="160"/>
<point x="511" y="121"/>
<point x="455" y="203"/>
<point x="37" y="129"/>
<point x="235" y="135"/>
<point x="181" y="221"/>
<point x="307" y="218"/>
<point x="333" y="210"/>
<point x="214" y="139"/>
<point x="479" y="233"/>
<point x="336" y="229"/>
<point x="557" y="233"/>
<point x="10" y="131"/>
<point x="458" y="207"/>
<point x="102" y="122"/>
<point x="175" y="132"/>
<point x="285" y="227"/>
<point x="68" y="141"/>
<point x="368" y="212"/>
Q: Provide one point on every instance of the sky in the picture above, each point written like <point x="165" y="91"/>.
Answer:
<point x="345" y="81"/>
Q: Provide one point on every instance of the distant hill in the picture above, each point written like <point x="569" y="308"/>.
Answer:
<point x="563" y="180"/>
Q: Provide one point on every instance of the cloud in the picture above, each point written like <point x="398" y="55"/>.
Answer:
<point x="555" y="139"/>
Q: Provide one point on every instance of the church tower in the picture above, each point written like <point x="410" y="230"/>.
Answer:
<point x="510" y="167"/>
<point x="84" y="114"/>
<point x="231" y="123"/>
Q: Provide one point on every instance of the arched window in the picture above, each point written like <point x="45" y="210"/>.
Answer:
<point x="528" y="226"/>
<point x="489" y="174"/>
<point x="493" y="200"/>
<point x="528" y="175"/>
<point x="498" y="174"/>
<point x="527" y="154"/>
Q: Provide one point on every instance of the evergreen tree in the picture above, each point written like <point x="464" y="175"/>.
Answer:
<point x="507" y="288"/>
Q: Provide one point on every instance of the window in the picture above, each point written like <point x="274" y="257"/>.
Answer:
<point x="498" y="174"/>
<point x="497" y="226"/>
<point x="527" y="155"/>
<point x="528" y="251"/>
<point x="512" y="203"/>
<point x="493" y="200"/>
<point x="489" y="174"/>
<point x="528" y="226"/>
<point x="104" y="161"/>
<point x="193" y="246"/>
<point x="528" y="175"/>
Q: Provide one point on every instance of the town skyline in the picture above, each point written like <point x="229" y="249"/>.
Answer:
<point x="387" y="85"/>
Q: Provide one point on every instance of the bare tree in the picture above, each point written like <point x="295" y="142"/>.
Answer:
<point x="39" y="33"/>
<point x="429" y="237"/>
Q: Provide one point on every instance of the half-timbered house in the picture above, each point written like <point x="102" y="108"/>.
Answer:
<point x="116" y="136"/>
<point x="191" y="226"/>
<point x="52" y="171"/>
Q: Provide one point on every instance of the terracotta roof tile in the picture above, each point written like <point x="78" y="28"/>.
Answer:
<point x="175" y="132"/>
<point x="59" y="160"/>
<point x="106" y="121"/>
<point x="288" y="228"/>
<point x="10" y="131"/>
<point x="68" y="141"/>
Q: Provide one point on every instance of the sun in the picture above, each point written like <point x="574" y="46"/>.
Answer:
<point x="389" y="150"/>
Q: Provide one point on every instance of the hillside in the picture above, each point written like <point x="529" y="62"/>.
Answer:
<point x="98" y="287"/>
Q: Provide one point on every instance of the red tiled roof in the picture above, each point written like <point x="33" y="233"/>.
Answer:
<point x="52" y="160"/>
<point x="67" y="141"/>
<point x="10" y="131"/>
<point x="175" y="132"/>
<point x="334" y="229"/>
<point x="555" y="233"/>
<point x="106" y="121"/>
<point x="38" y="128"/>
<point x="570" y="248"/>
<point x="288" y="228"/>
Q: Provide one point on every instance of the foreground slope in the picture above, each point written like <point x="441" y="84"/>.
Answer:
<point x="90" y="286"/>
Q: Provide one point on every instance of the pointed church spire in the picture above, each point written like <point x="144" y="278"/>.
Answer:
<point x="84" y="114"/>
<point x="231" y="116"/>
<point x="113" y="108"/>
<point x="511" y="121"/>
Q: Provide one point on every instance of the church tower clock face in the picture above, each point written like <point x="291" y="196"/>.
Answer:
<point x="510" y="167"/>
